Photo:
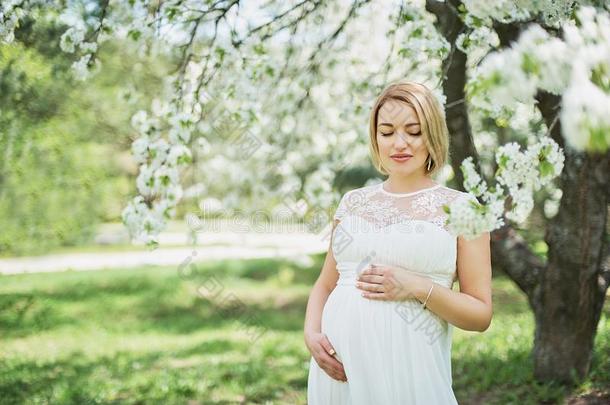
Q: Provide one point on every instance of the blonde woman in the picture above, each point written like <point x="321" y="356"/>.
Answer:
<point x="380" y="317"/>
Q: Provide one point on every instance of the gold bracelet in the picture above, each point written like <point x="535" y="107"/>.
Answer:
<point x="429" y="292"/>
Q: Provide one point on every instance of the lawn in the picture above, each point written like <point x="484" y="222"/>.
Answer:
<point x="225" y="332"/>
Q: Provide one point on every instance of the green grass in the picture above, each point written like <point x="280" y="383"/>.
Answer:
<point x="146" y="335"/>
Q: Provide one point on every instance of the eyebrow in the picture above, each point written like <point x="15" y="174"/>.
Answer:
<point x="408" y="125"/>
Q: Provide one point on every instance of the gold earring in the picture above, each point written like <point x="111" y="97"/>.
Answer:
<point x="429" y="161"/>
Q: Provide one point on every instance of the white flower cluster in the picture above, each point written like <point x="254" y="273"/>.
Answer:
<point x="519" y="173"/>
<point x="577" y="67"/>
<point x="138" y="215"/>
<point x="528" y="171"/>
<point x="71" y="40"/>
<point x="514" y="75"/>
<point x="422" y="42"/>
<point x="480" y="37"/>
<point x="158" y="182"/>
<point x="10" y="13"/>
<point x="552" y="12"/>
<point x="585" y="116"/>
<point x="472" y="180"/>
<point x="469" y="218"/>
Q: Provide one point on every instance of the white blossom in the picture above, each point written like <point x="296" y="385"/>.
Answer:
<point x="472" y="180"/>
<point x="71" y="39"/>
<point x="469" y="218"/>
<point x="519" y="175"/>
<point x="88" y="47"/>
<point x="142" y="223"/>
<point x="145" y="124"/>
<point x="139" y="149"/>
<point x="575" y="66"/>
<point x="10" y="14"/>
<point x="481" y="37"/>
<point x="81" y="69"/>
<point x="178" y="154"/>
<point x="146" y="181"/>
<point x="159" y="151"/>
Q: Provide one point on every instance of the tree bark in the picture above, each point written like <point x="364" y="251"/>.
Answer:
<point x="454" y="67"/>
<point x="573" y="285"/>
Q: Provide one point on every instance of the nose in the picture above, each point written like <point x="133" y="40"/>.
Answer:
<point x="401" y="140"/>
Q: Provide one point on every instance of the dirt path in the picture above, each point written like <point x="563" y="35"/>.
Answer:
<point x="234" y="246"/>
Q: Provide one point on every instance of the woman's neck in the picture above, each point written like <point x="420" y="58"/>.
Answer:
<point x="407" y="184"/>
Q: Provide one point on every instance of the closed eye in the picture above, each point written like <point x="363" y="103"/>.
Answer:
<point x="390" y="133"/>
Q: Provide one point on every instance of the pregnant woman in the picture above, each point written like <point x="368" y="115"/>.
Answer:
<point x="379" y="318"/>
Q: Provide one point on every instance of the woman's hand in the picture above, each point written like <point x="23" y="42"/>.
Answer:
<point x="390" y="283"/>
<point x="323" y="353"/>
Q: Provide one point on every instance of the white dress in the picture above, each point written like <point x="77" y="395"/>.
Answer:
<point x="392" y="352"/>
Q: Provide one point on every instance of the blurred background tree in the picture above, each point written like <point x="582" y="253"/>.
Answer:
<point x="66" y="165"/>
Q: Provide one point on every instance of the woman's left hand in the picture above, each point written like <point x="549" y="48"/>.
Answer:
<point x="389" y="283"/>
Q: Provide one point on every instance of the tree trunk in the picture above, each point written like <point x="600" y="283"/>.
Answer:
<point x="572" y="289"/>
<point x="573" y="284"/>
<point x="454" y="80"/>
<point x="567" y="292"/>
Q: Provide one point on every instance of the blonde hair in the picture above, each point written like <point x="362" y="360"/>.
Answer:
<point x="431" y="116"/>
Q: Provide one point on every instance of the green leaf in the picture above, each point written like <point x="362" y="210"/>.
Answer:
<point x="598" y="141"/>
<point x="259" y="49"/>
<point x="600" y="76"/>
<point x="502" y="122"/>
<point x="530" y="65"/>
<point x="546" y="168"/>
<point x="502" y="161"/>
<point x="134" y="34"/>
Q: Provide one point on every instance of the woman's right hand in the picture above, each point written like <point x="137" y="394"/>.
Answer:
<point x="321" y="349"/>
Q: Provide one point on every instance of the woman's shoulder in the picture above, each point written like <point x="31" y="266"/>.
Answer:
<point x="367" y="189"/>
<point x="374" y="188"/>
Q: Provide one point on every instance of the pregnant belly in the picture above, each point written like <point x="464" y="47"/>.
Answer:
<point x="373" y="337"/>
<point x="347" y="317"/>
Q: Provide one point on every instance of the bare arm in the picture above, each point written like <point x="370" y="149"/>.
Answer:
<point x="322" y="288"/>
<point x="317" y="342"/>
<point x="471" y="307"/>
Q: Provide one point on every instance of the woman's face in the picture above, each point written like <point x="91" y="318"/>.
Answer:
<point x="399" y="132"/>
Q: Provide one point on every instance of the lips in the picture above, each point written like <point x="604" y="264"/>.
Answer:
<point x="401" y="157"/>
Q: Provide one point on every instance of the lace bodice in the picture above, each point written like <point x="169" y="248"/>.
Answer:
<point x="409" y="230"/>
<point x="382" y="208"/>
